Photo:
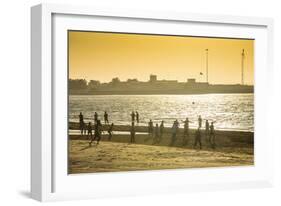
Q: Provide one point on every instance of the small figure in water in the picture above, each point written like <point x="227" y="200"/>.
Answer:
<point x="133" y="116"/>
<point x="110" y="129"/>
<point x="207" y="131"/>
<point x="81" y="123"/>
<point x="96" y="117"/>
<point x="156" y="135"/>
<point x="212" y="135"/>
<point x="199" y="121"/>
<point x="105" y="118"/>
<point x="133" y="132"/>
<point x="150" y="128"/>
<point x="137" y="117"/>
<point x="90" y="129"/>
<point x="198" y="138"/>
<point x="161" y="131"/>
<point x="174" y="132"/>
<point x="186" y="132"/>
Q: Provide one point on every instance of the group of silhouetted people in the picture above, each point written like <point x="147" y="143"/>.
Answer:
<point x="156" y="133"/>
<point x="135" y="116"/>
<point x="97" y="128"/>
<point x="209" y="133"/>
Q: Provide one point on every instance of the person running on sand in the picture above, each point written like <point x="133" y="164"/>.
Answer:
<point x="96" y="116"/>
<point x="90" y="129"/>
<point x="133" y="132"/>
<point x="199" y="121"/>
<point x="161" y="131"/>
<point x="110" y="130"/>
<point x="150" y="128"/>
<point x="98" y="130"/>
<point x="81" y="123"/>
<point x="133" y="116"/>
<point x="207" y="131"/>
<point x="212" y="135"/>
<point x="174" y="132"/>
<point x="198" y="139"/>
<point x="186" y="132"/>
<point x="105" y="118"/>
<point x="137" y="117"/>
<point x="156" y="135"/>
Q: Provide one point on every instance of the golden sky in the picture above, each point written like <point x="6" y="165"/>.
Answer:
<point x="103" y="56"/>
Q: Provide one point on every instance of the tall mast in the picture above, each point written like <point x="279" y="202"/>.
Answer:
<point x="207" y="66"/>
<point x="242" y="67"/>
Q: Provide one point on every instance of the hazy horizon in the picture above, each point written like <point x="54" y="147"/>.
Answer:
<point x="147" y="80"/>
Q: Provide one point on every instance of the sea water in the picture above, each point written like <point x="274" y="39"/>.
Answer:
<point x="228" y="111"/>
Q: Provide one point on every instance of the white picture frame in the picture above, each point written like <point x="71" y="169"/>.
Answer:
<point x="49" y="178"/>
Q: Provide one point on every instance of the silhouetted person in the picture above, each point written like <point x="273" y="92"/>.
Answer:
<point x="81" y="123"/>
<point x="207" y="131"/>
<point x="177" y="123"/>
<point x="133" y="116"/>
<point x="133" y="132"/>
<point x="185" y="132"/>
<point x="90" y="133"/>
<point x="161" y="131"/>
<point x="110" y="129"/>
<point x="174" y="132"/>
<point x="137" y="117"/>
<point x="198" y="139"/>
<point x="150" y="127"/>
<point x="98" y="130"/>
<point x="199" y="121"/>
<point x="156" y="134"/>
<point x="105" y="118"/>
<point x="212" y="135"/>
<point x="96" y="116"/>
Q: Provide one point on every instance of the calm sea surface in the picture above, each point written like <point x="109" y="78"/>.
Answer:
<point x="229" y="111"/>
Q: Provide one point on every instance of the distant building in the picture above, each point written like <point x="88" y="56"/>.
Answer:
<point x="93" y="84"/>
<point x="115" y="81"/>
<point x="192" y="84"/>
<point x="153" y="78"/>
<point x="191" y="81"/>
<point x="132" y="80"/>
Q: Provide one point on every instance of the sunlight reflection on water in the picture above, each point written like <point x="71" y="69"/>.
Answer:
<point x="230" y="111"/>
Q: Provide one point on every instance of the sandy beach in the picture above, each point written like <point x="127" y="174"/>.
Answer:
<point x="234" y="148"/>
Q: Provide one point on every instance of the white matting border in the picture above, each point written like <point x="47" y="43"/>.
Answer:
<point x="49" y="168"/>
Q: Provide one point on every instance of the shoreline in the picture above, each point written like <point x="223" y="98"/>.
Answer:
<point x="73" y="126"/>
<point x="223" y="138"/>
<point x="167" y="130"/>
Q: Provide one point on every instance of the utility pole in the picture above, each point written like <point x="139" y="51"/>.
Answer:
<point x="207" y="66"/>
<point x="242" y="67"/>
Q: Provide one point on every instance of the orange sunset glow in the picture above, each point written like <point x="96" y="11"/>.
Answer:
<point x="103" y="56"/>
